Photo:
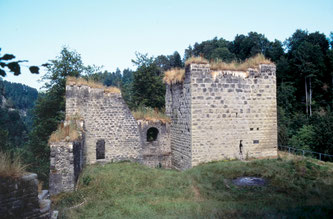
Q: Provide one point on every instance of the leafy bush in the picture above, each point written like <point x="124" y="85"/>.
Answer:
<point x="304" y="138"/>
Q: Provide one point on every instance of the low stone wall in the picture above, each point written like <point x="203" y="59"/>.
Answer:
<point x="65" y="165"/>
<point x="19" y="198"/>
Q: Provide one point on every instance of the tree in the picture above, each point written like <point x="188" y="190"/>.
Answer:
<point x="308" y="60"/>
<point x="304" y="138"/>
<point x="167" y="62"/>
<point x="222" y="53"/>
<point x="126" y="87"/>
<point x="247" y="46"/>
<point x="148" y="88"/>
<point x="274" y="51"/>
<point x="323" y="129"/>
<point x="50" y="108"/>
<point x="13" y="66"/>
<point x="210" y="49"/>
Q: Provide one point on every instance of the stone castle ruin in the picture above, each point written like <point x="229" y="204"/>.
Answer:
<point x="215" y="114"/>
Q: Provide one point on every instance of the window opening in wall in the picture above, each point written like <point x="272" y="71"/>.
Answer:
<point x="100" y="149"/>
<point x="152" y="134"/>
<point x="257" y="128"/>
<point x="240" y="147"/>
<point x="255" y="141"/>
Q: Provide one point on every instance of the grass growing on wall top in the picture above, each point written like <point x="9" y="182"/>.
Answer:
<point x="11" y="167"/>
<point x="196" y="60"/>
<point x="252" y="62"/>
<point x="296" y="188"/>
<point x="91" y="83"/>
<point x="174" y="75"/>
<point x="177" y="75"/>
<point x="68" y="131"/>
<point x="149" y="114"/>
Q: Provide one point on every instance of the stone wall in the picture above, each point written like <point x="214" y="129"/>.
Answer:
<point x="66" y="164"/>
<point x="107" y="118"/>
<point x="229" y="115"/>
<point x="155" y="152"/>
<point x="19" y="198"/>
<point x="178" y="108"/>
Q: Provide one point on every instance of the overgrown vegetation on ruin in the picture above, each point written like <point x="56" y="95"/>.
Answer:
<point x="149" y="114"/>
<point x="196" y="60"/>
<point x="296" y="187"/>
<point x="91" y="83"/>
<point x="174" y="75"/>
<point x="177" y="75"/>
<point x="253" y="62"/>
<point x="11" y="166"/>
<point x="67" y="131"/>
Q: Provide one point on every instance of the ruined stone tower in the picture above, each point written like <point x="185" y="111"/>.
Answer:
<point x="215" y="115"/>
<point x="224" y="114"/>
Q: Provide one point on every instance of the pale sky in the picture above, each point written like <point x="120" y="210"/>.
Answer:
<point x="108" y="33"/>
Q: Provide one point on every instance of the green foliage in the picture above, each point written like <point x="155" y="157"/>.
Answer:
<point x="167" y="62"/>
<point x="147" y="88"/>
<point x="323" y="128"/>
<point x="50" y="108"/>
<point x="86" y="180"/>
<point x="286" y="97"/>
<point x="13" y="132"/>
<point x="304" y="138"/>
<point x="22" y="96"/>
<point x="130" y="190"/>
<point x="13" y="66"/>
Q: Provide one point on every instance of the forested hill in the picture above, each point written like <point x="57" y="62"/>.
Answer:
<point x="16" y="104"/>
<point x="19" y="96"/>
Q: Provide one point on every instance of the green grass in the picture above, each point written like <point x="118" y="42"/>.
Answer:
<point x="296" y="188"/>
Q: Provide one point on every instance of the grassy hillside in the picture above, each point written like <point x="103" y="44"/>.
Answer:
<point x="296" y="187"/>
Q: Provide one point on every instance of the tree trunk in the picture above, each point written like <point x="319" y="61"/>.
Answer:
<point x="306" y="96"/>
<point x="310" y="97"/>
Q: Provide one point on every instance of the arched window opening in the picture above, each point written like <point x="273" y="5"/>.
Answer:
<point x="100" y="149"/>
<point x="152" y="134"/>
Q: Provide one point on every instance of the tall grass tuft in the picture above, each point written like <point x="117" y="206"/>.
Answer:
<point x="67" y="130"/>
<point x="177" y="75"/>
<point x="91" y="83"/>
<point x="252" y="62"/>
<point x="196" y="60"/>
<point x="149" y="114"/>
<point x="11" y="167"/>
<point x="174" y="75"/>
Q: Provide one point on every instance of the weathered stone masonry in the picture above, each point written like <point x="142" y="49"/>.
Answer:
<point x="109" y="133"/>
<point x="106" y="117"/>
<point x="219" y="115"/>
<point x="178" y="108"/>
<point x="155" y="152"/>
<point x="19" y="198"/>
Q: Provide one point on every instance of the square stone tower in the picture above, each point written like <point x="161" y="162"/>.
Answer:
<point x="224" y="114"/>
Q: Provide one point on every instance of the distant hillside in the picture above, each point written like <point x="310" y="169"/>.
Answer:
<point x="20" y="97"/>
<point x="295" y="187"/>
<point x="16" y="103"/>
